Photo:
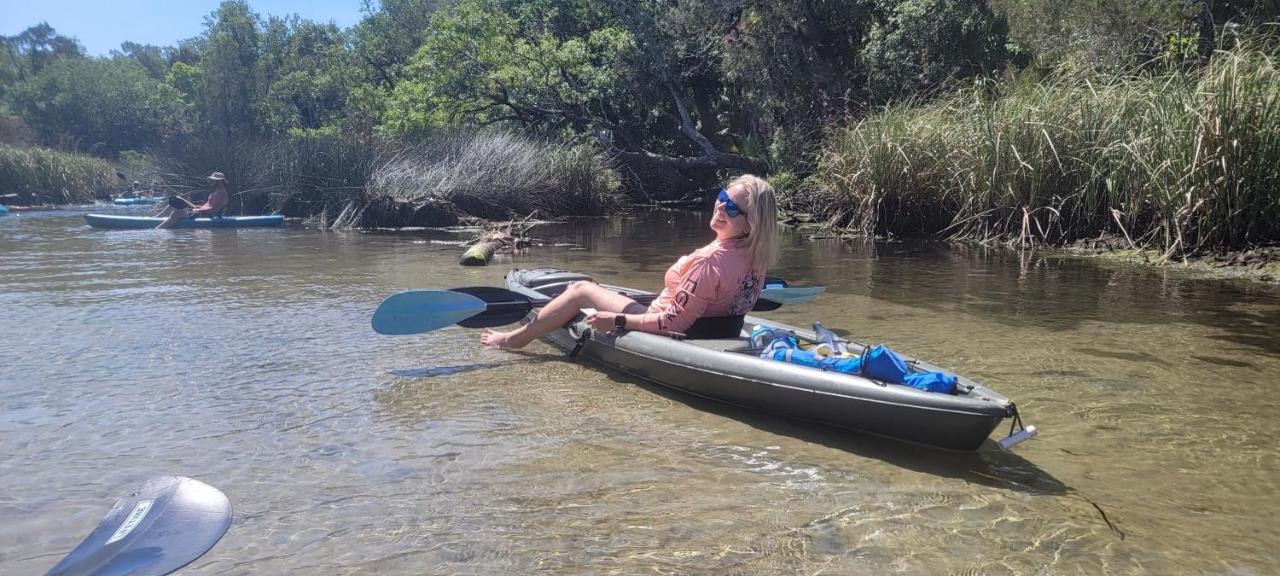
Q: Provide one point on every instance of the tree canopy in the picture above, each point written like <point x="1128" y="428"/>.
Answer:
<point x="676" y="90"/>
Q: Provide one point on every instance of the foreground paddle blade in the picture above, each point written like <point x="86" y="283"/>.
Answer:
<point x="417" y="311"/>
<point x="792" y="295"/>
<point x="160" y="528"/>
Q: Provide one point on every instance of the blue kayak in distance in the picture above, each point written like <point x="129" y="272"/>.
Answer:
<point x="137" y="201"/>
<point x="4" y="209"/>
<point x="140" y="222"/>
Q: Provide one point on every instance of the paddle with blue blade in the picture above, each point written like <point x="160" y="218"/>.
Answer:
<point x="157" y="529"/>
<point x="417" y="311"/>
<point x="798" y="295"/>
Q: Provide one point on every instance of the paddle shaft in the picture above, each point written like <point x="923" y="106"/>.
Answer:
<point x="504" y="307"/>
<point x="531" y="302"/>
<point x="418" y="311"/>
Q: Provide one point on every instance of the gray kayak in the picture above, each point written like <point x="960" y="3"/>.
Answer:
<point x="728" y="370"/>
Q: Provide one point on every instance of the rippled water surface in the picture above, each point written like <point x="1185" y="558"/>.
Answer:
<point x="244" y="358"/>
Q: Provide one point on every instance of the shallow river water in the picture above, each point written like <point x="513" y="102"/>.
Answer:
<point x="245" y="359"/>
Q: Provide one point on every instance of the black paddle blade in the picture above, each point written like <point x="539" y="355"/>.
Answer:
<point x="157" y="529"/>
<point x="502" y="307"/>
<point x="763" y="305"/>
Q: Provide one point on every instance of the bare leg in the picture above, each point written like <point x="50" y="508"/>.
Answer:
<point x="174" y="216"/>
<point x="175" y="213"/>
<point x="559" y="312"/>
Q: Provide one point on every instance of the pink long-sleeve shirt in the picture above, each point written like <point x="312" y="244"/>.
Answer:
<point x="715" y="280"/>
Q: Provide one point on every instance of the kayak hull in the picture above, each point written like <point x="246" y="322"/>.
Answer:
<point x="726" y="370"/>
<point x="140" y="222"/>
<point x="137" y="201"/>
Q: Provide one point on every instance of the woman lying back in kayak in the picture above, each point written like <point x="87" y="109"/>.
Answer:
<point x="723" y="278"/>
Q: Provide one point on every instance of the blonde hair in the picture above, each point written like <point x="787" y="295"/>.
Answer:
<point x="762" y="213"/>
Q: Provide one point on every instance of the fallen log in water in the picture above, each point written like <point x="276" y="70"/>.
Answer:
<point x="500" y="238"/>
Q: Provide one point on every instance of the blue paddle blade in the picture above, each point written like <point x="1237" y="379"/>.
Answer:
<point x="792" y="295"/>
<point x="157" y="529"/>
<point x="417" y="311"/>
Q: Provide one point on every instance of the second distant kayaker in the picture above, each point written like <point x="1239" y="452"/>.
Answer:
<point x="182" y="208"/>
<point x="723" y="278"/>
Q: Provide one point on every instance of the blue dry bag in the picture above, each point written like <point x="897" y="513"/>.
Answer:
<point x="940" y="382"/>
<point x="880" y="363"/>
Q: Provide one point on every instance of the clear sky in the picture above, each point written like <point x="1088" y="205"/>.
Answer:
<point x="101" y="25"/>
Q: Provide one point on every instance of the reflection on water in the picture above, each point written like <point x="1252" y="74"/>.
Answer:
<point x="245" y="358"/>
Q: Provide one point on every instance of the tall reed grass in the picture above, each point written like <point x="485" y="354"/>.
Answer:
<point x="41" y="175"/>
<point x="299" y="177"/>
<point x="1183" y="162"/>
<point x="360" y="183"/>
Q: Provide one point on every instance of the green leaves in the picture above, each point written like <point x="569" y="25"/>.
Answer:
<point x="309" y="77"/>
<point x="923" y="44"/>
<point x="543" y="65"/>
<point x="107" y="105"/>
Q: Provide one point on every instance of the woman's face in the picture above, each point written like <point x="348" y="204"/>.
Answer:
<point x="727" y="226"/>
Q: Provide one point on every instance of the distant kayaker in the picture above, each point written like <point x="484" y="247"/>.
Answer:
<point x="723" y="278"/>
<point x="180" y="207"/>
<point x="131" y="191"/>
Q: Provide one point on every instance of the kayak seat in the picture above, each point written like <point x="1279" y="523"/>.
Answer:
<point x="709" y="327"/>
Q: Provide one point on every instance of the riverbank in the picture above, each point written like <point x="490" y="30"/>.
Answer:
<point x="1185" y="162"/>
<point x="1260" y="264"/>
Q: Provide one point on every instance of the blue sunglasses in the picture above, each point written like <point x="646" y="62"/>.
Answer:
<point x="730" y="207"/>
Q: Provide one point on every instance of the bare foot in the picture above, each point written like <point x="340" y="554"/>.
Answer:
<point x="493" y="339"/>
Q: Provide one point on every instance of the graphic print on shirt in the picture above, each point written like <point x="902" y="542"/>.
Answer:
<point x="678" y="302"/>
<point x="745" y="299"/>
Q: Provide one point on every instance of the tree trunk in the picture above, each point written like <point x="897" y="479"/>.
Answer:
<point x="1207" y="41"/>
<point x="480" y="253"/>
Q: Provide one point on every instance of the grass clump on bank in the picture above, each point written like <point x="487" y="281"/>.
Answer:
<point x="498" y="175"/>
<point x="1183" y="162"/>
<point x="45" y="176"/>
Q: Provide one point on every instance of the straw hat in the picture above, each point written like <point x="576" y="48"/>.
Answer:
<point x="217" y="176"/>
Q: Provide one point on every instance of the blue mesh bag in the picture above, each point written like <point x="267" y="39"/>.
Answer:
<point x="762" y="337"/>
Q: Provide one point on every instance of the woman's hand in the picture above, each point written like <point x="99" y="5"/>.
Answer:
<point x="602" y="321"/>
